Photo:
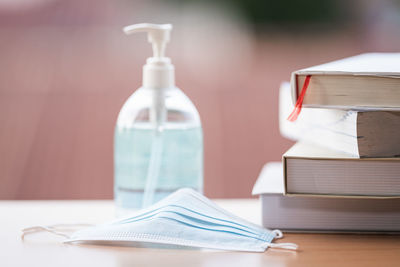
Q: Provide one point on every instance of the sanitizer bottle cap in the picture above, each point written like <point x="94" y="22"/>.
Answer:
<point x="158" y="72"/>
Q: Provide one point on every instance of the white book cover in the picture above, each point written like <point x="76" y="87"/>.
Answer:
<point x="371" y="64"/>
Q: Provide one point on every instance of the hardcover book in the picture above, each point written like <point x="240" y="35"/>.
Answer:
<point x="313" y="170"/>
<point x="367" y="81"/>
<point x="322" y="214"/>
<point x="359" y="133"/>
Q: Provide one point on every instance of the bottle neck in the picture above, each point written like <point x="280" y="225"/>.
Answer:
<point x="158" y="73"/>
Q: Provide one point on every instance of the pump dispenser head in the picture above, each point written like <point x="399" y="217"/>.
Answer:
<point x="157" y="34"/>
<point x="158" y="71"/>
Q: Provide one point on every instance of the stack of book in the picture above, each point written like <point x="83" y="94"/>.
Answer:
<point x="343" y="174"/>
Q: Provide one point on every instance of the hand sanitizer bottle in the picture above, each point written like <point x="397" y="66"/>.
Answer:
<point x="158" y="136"/>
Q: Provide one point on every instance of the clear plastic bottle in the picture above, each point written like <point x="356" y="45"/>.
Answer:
<point x="158" y="145"/>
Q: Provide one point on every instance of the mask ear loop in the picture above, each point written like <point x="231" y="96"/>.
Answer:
<point x="278" y="234"/>
<point x="54" y="229"/>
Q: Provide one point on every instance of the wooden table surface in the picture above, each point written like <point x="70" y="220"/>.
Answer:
<point x="44" y="249"/>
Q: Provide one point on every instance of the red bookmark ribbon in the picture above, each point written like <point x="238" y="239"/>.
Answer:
<point x="299" y="103"/>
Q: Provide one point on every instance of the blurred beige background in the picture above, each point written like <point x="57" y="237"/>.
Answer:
<point x="66" y="68"/>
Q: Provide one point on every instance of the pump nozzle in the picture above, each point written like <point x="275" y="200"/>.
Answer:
<point x="158" y="72"/>
<point x="158" y="35"/>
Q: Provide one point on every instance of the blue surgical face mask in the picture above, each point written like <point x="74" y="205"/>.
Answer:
<point x="185" y="218"/>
